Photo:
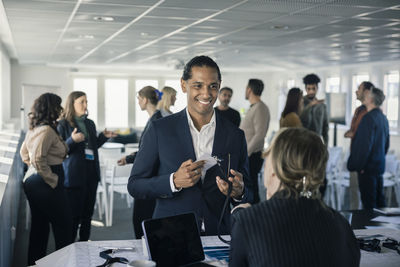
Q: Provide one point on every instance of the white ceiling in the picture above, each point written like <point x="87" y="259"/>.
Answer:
<point x="254" y="34"/>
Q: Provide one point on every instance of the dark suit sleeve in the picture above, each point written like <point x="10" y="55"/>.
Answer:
<point x="144" y="182"/>
<point x="101" y="138"/>
<point x="244" y="170"/>
<point x="62" y="129"/>
<point x="238" y="249"/>
<point x="325" y="127"/>
<point x="362" y="145"/>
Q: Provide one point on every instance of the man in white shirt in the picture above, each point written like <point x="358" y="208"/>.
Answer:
<point x="255" y="126"/>
<point x="166" y="168"/>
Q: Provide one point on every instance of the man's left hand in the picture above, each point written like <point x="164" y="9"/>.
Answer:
<point x="237" y="184"/>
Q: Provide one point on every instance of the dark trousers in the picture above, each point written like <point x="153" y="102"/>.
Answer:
<point x="142" y="210"/>
<point x="48" y="206"/>
<point x="82" y="200"/>
<point x="371" y="190"/>
<point x="255" y="164"/>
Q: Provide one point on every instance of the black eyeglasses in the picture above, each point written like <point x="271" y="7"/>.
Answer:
<point x="110" y="260"/>
<point x="391" y="244"/>
<point x="373" y="245"/>
<point x="369" y="244"/>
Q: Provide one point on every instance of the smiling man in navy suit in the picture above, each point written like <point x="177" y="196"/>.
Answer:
<point x="166" y="168"/>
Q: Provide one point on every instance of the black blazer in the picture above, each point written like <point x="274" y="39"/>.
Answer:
<point x="74" y="164"/>
<point x="165" y="145"/>
<point x="290" y="232"/>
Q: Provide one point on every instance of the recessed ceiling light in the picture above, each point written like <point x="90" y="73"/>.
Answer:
<point x="86" y="36"/>
<point x="144" y="34"/>
<point x="103" y="18"/>
<point x="279" y="27"/>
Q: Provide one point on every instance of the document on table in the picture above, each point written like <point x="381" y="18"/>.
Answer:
<point x="387" y="219"/>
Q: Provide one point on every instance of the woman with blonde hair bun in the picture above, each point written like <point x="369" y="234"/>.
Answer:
<point x="167" y="100"/>
<point x="293" y="227"/>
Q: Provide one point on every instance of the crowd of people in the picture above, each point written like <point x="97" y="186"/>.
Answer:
<point x="167" y="177"/>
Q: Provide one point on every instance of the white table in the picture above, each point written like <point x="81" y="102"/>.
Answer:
<point x="111" y="145"/>
<point x="87" y="253"/>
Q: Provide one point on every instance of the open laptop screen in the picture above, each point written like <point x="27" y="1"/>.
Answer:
<point x="173" y="241"/>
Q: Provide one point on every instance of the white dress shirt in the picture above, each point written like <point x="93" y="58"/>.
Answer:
<point x="203" y="141"/>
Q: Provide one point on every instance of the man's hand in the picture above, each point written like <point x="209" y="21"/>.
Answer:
<point x="109" y="134"/>
<point x="188" y="174"/>
<point x="77" y="137"/>
<point x="237" y="184"/>
<point x="121" y="161"/>
<point x="349" y="134"/>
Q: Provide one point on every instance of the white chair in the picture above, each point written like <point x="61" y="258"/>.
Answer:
<point x="117" y="180"/>
<point x="390" y="178"/>
<point x="106" y="154"/>
<point x="332" y="176"/>
<point x="102" y="199"/>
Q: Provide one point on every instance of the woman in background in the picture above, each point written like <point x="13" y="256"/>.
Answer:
<point x="82" y="169"/>
<point x="293" y="227"/>
<point x="167" y="100"/>
<point x="143" y="209"/>
<point x="294" y="106"/>
<point x="43" y="151"/>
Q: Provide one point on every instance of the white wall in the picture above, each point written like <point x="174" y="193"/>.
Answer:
<point x="5" y="86"/>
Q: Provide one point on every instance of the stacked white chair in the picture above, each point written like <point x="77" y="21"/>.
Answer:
<point x="391" y="178"/>
<point x="102" y="198"/>
<point x="333" y="177"/>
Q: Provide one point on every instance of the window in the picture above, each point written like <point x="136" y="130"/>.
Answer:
<point x="141" y="116"/>
<point x="357" y="80"/>
<point x="89" y="86"/>
<point x="391" y="104"/>
<point x="290" y="84"/>
<point x="332" y="85"/>
<point x="181" y="98"/>
<point x="116" y="103"/>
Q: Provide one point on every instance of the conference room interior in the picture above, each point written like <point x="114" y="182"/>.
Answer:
<point x="110" y="49"/>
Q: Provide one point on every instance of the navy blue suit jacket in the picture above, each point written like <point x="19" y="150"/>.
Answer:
<point x="75" y="165"/>
<point x="165" y="146"/>
<point x="370" y="144"/>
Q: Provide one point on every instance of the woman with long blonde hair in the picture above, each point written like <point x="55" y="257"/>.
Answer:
<point x="167" y="100"/>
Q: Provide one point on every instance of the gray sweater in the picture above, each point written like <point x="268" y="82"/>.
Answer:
<point x="255" y="126"/>
<point x="315" y="118"/>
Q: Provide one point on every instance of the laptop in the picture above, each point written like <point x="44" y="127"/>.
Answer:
<point x="174" y="241"/>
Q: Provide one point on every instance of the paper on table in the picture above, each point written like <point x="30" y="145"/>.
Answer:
<point x="391" y="219"/>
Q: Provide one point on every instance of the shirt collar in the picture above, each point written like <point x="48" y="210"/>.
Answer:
<point x="191" y="123"/>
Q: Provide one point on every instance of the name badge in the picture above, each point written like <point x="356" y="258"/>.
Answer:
<point x="89" y="154"/>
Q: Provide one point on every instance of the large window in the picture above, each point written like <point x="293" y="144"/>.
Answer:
<point x="357" y="80"/>
<point x="290" y="84"/>
<point x="116" y="103"/>
<point x="89" y="86"/>
<point x="181" y="98"/>
<point x="332" y="85"/>
<point x="391" y="103"/>
<point x="141" y="116"/>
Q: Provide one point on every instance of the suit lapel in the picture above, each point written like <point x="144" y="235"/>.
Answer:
<point x="185" y="137"/>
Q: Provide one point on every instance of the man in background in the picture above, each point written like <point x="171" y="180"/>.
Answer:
<point x="368" y="150"/>
<point x="315" y="115"/>
<point x="255" y="126"/>
<point x="224" y="97"/>
<point x="358" y="115"/>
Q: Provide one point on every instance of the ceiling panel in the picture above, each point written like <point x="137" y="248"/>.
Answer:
<point x="256" y="33"/>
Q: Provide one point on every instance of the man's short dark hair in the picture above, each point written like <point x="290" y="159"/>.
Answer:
<point x="199" y="61"/>
<point x="367" y="85"/>
<point x="226" y="89"/>
<point x="377" y="96"/>
<point x="256" y="86"/>
<point x="311" y="79"/>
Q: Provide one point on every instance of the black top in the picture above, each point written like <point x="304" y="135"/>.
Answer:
<point x="231" y="115"/>
<point x="290" y="232"/>
<point x="157" y="115"/>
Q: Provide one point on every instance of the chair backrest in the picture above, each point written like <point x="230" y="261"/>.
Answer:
<point x="335" y="156"/>
<point x="123" y="171"/>
<point x="392" y="164"/>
